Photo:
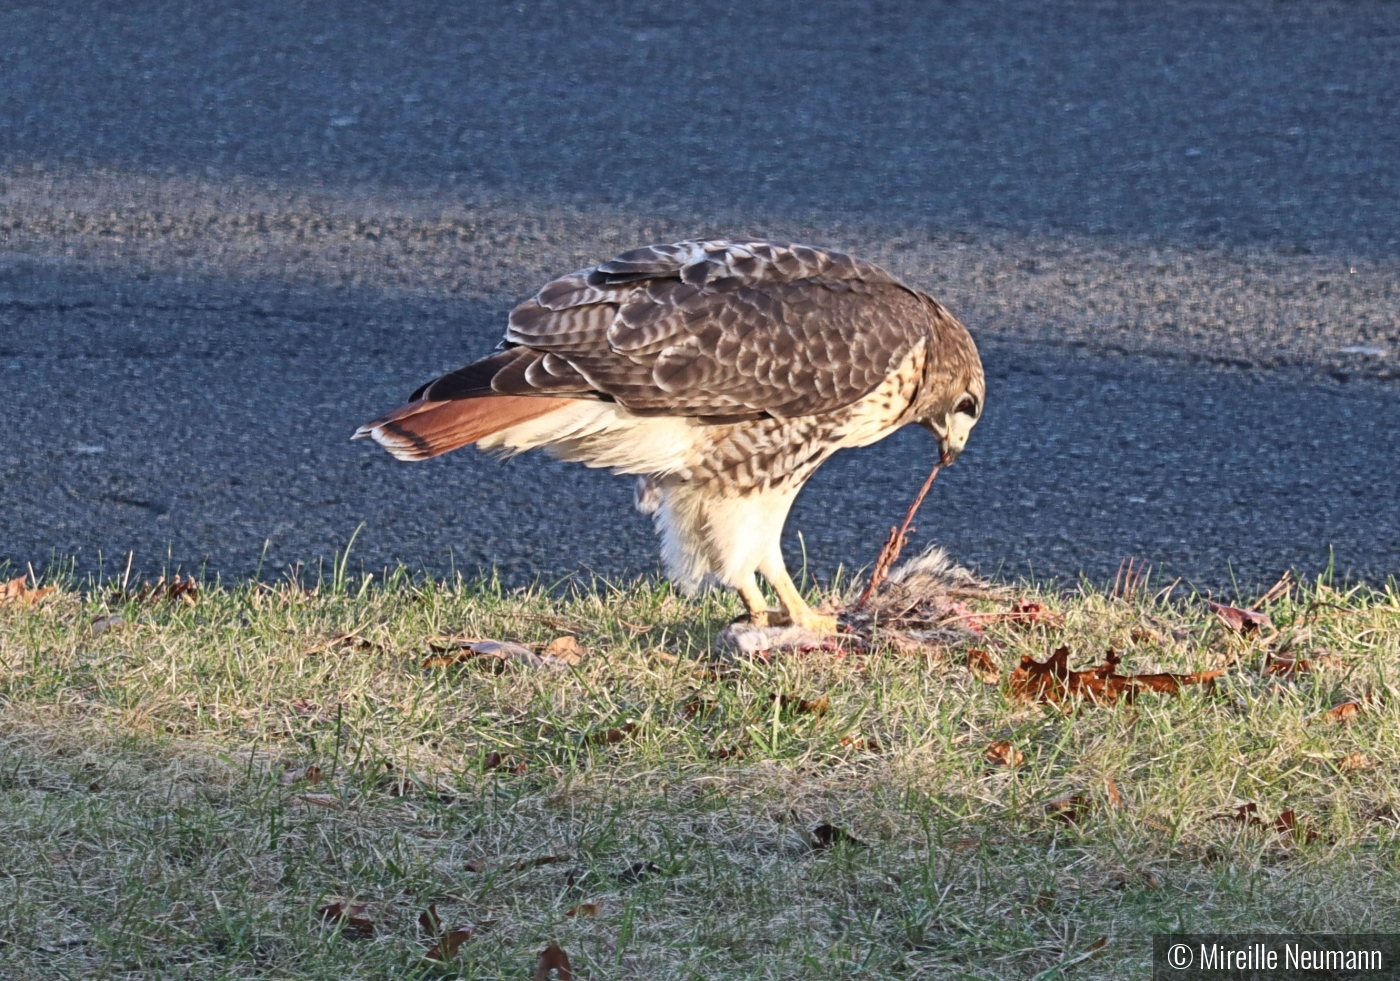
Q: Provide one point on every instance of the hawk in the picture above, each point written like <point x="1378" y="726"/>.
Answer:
<point x="722" y="374"/>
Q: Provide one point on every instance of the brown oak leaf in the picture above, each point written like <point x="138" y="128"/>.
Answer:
<point x="1243" y="622"/>
<point x="1051" y="680"/>
<point x="553" y="958"/>
<point x="1003" y="753"/>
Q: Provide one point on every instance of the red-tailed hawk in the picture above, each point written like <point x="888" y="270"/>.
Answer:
<point x="723" y="374"/>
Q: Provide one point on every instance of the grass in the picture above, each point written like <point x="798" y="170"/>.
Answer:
<point x="159" y="817"/>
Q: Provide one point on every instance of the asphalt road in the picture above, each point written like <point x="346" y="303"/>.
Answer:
<point x="229" y="233"/>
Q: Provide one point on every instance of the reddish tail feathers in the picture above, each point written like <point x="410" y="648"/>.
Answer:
<point x="425" y="429"/>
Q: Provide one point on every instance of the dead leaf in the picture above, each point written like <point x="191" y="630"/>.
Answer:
<point x="430" y="922"/>
<point x="1353" y="761"/>
<point x="553" y="958"/>
<point x="565" y="649"/>
<point x="352" y="919"/>
<point x="829" y="835"/>
<point x="446" y="948"/>
<point x="802" y="706"/>
<point x="869" y="743"/>
<point x="1143" y="634"/>
<point x="698" y="705"/>
<point x="1287" y="825"/>
<point x="586" y="909"/>
<point x="1243" y="622"/>
<point x="177" y="588"/>
<point x="348" y="640"/>
<point x="980" y="663"/>
<point x="1344" y="712"/>
<point x="15" y="592"/>
<point x="1028" y="612"/>
<point x="1051" y="680"/>
<point x="1110" y="786"/>
<point x="310" y="774"/>
<point x="1245" y="814"/>
<point x="1070" y="809"/>
<point x="1283" y="666"/>
<point x="1002" y="753"/>
<point x="610" y="736"/>
<point x="496" y="761"/>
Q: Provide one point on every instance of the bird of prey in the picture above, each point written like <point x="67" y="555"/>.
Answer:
<point x="722" y="374"/>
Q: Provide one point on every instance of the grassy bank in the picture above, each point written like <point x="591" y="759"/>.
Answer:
<point x="185" y="783"/>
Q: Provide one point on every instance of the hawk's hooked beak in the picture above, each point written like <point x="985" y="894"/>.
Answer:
<point x="952" y="433"/>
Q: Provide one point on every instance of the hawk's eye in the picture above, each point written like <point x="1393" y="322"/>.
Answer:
<point x="967" y="405"/>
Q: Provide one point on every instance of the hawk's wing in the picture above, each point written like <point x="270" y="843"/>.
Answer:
<point x="720" y="330"/>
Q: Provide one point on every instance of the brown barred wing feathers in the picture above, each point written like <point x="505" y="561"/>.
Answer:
<point x="719" y="330"/>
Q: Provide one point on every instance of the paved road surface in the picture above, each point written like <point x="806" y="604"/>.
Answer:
<point x="229" y="233"/>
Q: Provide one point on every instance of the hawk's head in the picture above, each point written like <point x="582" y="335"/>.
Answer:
<point x="954" y="425"/>
<point x="954" y="387"/>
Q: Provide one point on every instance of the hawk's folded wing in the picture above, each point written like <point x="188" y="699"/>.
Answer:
<point x="718" y="330"/>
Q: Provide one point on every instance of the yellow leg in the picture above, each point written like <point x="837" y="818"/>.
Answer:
<point x="798" y="612"/>
<point x="755" y="601"/>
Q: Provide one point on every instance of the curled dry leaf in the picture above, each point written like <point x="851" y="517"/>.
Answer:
<point x="983" y="667"/>
<point x="1344" y="712"/>
<point x="495" y="761"/>
<point x="1051" y="680"/>
<point x="803" y="706"/>
<point x="1002" y="753"/>
<point x="586" y="909"/>
<point x="698" y="705"/>
<point x="565" y="649"/>
<point x="446" y="948"/>
<point x="829" y="835"/>
<point x="175" y="589"/>
<point x="868" y="743"/>
<point x="1070" y="809"/>
<point x="430" y="922"/>
<point x="1283" y="666"/>
<point x="616" y="735"/>
<point x="1353" y="761"/>
<point x="1246" y="814"/>
<point x="15" y="592"/>
<point x="350" y="916"/>
<point x="1243" y="622"/>
<point x="1287" y="825"/>
<point x="553" y="959"/>
<point x="310" y="775"/>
